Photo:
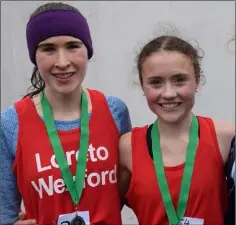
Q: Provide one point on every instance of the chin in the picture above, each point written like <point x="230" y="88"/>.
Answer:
<point x="66" y="90"/>
<point x="171" y="117"/>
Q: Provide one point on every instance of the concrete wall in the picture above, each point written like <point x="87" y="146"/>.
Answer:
<point x="119" y="29"/>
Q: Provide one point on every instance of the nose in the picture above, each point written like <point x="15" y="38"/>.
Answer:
<point x="62" y="61"/>
<point x="169" y="92"/>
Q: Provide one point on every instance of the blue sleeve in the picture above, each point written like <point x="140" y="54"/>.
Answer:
<point x="10" y="199"/>
<point x="120" y="114"/>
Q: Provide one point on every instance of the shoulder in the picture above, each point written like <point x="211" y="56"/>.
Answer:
<point x="225" y="132"/>
<point x="118" y="110"/>
<point x="120" y="113"/>
<point x="116" y="104"/>
<point x="9" y="118"/>
<point x="125" y="139"/>
<point x="113" y="101"/>
<point x="125" y="145"/>
<point x="224" y="128"/>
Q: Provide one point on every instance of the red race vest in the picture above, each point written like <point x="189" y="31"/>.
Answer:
<point x="208" y="191"/>
<point x="38" y="176"/>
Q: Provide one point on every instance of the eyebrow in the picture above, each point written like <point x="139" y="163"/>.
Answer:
<point x="172" y="76"/>
<point x="52" y="44"/>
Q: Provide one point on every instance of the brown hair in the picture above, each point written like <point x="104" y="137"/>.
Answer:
<point x="169" y="43"/>
<point x="37" y="83"/>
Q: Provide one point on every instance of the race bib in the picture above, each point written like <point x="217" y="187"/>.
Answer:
<point x="191" y="221"/>
<point x="70" y="218"/>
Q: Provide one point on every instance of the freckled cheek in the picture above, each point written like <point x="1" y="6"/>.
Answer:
<point x="152" y="95"/>
<point x="44" y="63"/>
<point x="187" y="93"/>
<point x="79" y="59"/>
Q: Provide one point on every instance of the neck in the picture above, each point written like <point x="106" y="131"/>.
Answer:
<point x="64" y="106"/>
<point x="173" y="130"/>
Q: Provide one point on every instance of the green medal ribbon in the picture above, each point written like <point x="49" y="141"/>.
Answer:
<point x="175" y="216"/>
<point x="75" y="188"/>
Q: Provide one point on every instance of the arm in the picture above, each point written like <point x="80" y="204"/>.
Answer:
<point x="9" y="196"/>
<point x="22" y="220"/>
<point x="125" y="164"/>
<point x="120" y="114"/>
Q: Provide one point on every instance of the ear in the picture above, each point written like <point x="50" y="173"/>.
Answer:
<point x="142" y="89"/>
<point x="197" y="88"/>
<point x="197" y="84"/>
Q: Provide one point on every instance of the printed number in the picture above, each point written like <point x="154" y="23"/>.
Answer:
<point x="65" y="222"/>
<point x="184" y="222"/>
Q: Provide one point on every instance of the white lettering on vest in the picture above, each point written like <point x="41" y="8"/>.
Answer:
<point x="103" y="149"/>
<point x="38" y="163"/>
<point x="49" y="185"/>
<point x="48" y="188"/>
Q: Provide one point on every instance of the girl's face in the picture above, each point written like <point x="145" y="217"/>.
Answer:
<point x="169" y="84"/>
<point x="62" y="63"/>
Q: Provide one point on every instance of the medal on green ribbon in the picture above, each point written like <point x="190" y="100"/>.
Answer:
<point x="175" y="216"/>
<point x="75" y="188"/>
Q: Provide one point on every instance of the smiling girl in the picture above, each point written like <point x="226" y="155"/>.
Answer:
<point x="175" y="168"/>
<point x="59" y="144"/>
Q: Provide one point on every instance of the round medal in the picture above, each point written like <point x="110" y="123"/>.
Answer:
<point x="78" y="220"/>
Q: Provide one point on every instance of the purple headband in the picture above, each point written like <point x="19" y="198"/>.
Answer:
<point x="54" y="23"/>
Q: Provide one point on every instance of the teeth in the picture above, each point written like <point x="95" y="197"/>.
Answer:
<point x="63" y="76"/>
<point x="170" y="106"/>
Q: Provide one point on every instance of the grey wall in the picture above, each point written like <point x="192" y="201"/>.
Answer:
<point x="118" y="30"/>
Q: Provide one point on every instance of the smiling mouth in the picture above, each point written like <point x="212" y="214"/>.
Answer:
<point x="63" y="75"/>
<point x="170" y="105"/>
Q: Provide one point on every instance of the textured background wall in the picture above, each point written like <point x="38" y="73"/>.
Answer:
<point x="119" y="29"/>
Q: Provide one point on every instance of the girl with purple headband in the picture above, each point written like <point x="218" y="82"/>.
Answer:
<point x="61" y="132"/>
<point x="142" y="191"/>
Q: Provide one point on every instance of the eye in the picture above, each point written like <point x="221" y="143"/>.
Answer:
<point x="48" y="49"/>
<point x="73" y="46"/>
<point x="180" y="80"/>
<point x="156" y="81"/>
